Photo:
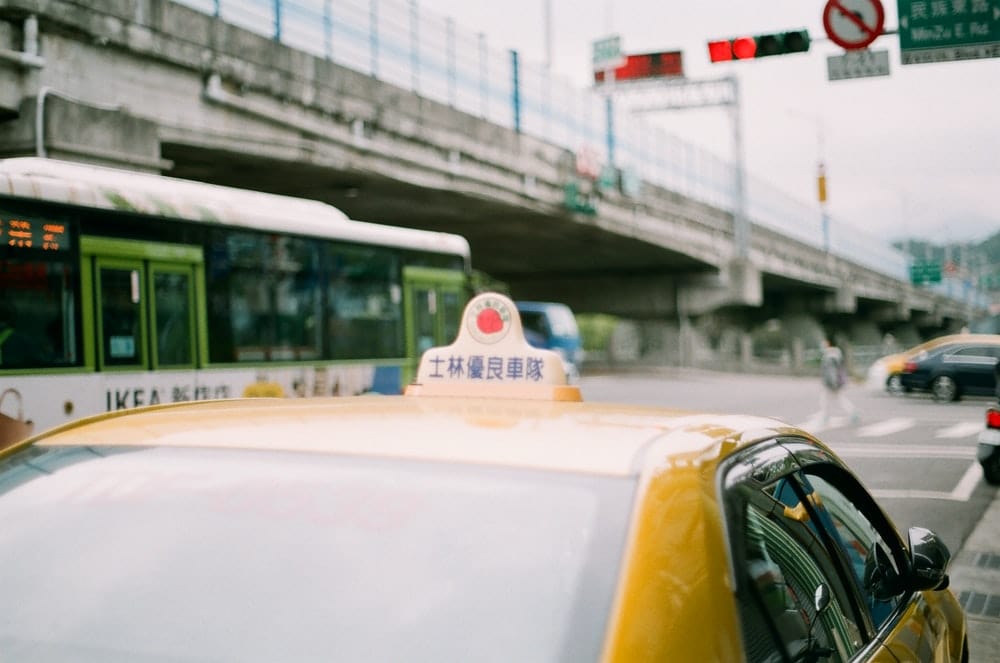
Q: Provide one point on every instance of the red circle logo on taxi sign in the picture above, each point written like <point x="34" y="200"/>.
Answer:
<point x="489" y="320"/>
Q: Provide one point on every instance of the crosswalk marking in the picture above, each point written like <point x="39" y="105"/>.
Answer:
<point x="961" y="429"/>
<point x="962" y="491"/>
<point x="887" y="427"/>
<point x="968" y="483"/>
<point x="815" y="425"/>
<point x="915" y="451"/>
<point x="869" y="448"/>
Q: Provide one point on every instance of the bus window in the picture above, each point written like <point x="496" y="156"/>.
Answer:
<point x="38" y="313"/>
<point x="434" y="302"/>
<point x="270" y="298"/>
<point x="120" y="293"/>
<point x="173" y="318"/>
<point x="451" y="309"/>
<point x="424" y="318"/>
<point x="364" y="303"/>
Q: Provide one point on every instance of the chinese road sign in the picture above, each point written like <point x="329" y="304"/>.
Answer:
<point x="925" y="272"/>
<point x="608" y="53"/>
<point x="853" y="24"/>
<point x="932" y="31"/>
<point x="857" y="64"/>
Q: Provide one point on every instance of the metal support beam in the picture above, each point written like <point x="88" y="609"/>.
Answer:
<point x="687" y="94"/>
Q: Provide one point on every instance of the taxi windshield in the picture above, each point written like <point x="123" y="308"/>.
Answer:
<point x="197" y="554"/>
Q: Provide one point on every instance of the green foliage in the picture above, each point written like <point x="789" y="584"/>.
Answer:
<point x="595" y="330"/>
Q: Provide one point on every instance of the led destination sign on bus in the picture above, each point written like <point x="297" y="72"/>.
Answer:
<point x="21" y="233"/>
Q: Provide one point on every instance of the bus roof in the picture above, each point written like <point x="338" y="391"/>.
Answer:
<point x="101" y="187"/>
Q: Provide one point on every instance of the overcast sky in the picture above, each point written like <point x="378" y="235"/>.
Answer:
<point x="913" y="154"/>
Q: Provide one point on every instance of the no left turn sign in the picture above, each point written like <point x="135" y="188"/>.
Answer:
<point x="853" y="24"/>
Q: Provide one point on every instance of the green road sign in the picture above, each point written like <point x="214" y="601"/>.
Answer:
<point x="608" y="53"/>
<point x="925" y="272"/>
<point x="937" y="31"/>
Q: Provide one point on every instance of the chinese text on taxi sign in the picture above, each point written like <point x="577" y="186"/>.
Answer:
<point x="938" y="31"/>
<point x="480" y="367"/>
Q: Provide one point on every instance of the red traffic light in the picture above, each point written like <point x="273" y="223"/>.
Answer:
<point x="744" y="48"/>
<point x="741" y="48"/>
<point x="758" y="46"/>
<point x="720" y="51"/>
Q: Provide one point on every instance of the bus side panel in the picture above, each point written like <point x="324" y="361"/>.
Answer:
<point x="49" y="401"/>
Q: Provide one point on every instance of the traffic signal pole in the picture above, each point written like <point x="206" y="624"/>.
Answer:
<point x="688" y="94"/>
<point x="741" y="222"/>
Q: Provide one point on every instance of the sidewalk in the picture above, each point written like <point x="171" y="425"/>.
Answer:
<point x="975" y="578"/>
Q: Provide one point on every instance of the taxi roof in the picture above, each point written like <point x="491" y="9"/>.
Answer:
<point x="594" y="438"/>
<point x="487" y="398"/>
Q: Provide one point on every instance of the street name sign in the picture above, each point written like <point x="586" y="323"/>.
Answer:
<point x="932" y="31"/>
<point x="853" y="24"/>
<point x="926" y="271"/>
<point x="608" y="53"/>
<point x="857" y="64"/>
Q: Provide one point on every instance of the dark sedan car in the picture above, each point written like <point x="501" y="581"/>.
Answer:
<point x="953" y="370"/>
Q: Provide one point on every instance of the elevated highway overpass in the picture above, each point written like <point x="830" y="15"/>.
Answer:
<point x="158" y="86"/>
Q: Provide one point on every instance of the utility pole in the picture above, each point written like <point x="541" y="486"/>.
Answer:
<point x="820" y="173"/>
<point x="548" y="34"/>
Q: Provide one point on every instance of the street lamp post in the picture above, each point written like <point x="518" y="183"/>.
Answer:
<point x="821" y="189"/>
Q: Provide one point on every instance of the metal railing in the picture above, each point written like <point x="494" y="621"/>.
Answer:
<point x="397" y="42"/>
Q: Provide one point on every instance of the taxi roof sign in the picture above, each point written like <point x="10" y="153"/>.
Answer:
<point x="491" y="358"/>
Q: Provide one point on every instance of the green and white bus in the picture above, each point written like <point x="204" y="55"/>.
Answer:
<point x="120" y="289"/>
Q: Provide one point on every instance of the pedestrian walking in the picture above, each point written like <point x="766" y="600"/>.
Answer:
<point x="833" y="373"/>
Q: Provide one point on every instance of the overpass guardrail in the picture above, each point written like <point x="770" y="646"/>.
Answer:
<point x="400" y="43"/>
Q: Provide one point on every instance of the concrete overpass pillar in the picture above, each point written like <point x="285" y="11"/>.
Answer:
<point x="738" y="284"/>
<point x="19" y="62"/>
<point x="746" y="350"/>
<point x="803" y="332"/>
<point x="798" y="353"/>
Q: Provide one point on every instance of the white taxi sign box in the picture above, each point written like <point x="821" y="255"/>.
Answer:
<point x="491" y="359"/>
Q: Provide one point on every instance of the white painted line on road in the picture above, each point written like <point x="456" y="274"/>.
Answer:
<point x="887" y="427"/>
<point x="815" y="424"/>
<point x="893" y="494"/>
<point x="961" y="493"/>
<point x="962" y="429"/>
<point x="968" y="483"/>
<point x="912" y="451"/>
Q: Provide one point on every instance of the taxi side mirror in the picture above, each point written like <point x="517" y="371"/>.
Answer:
<point x="929" y="558"/>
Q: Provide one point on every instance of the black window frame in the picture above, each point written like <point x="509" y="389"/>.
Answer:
<point x="744" y="477"/>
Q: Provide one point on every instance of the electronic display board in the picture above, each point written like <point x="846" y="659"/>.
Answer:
<point x="23" y="232"/>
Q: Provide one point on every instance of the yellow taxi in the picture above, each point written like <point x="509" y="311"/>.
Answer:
<point x="486" y="515"/>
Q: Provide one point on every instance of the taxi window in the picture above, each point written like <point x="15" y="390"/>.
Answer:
<point x="874" y="571"/>
<point x="785" y="565"/>
<point x="191" y="554"/>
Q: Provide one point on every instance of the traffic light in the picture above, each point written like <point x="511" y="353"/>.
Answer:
<point x="759" y="46"/>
